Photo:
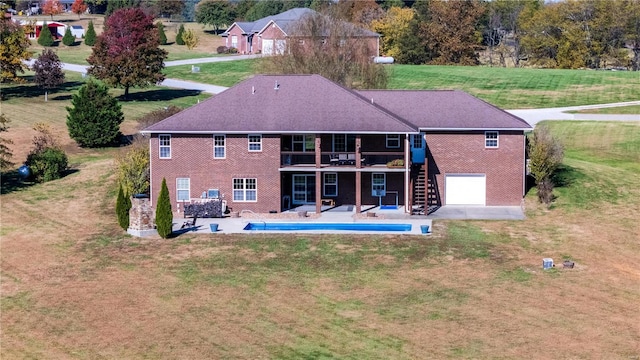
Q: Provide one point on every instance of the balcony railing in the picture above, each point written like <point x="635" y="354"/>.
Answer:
<point x="368" y="158"/>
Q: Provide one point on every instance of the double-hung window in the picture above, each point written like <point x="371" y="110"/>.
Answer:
<point x="245" y="190"/>
<point x="183" y="189"/>
<point x="303" y="142"/>
<point x="490" y="139"/>
<point x="255" y="143"/>
<point x="234" y="41"/>
<point x="165" y="146"/>
<point x="393" y="141"/>
<point x="219" y="147"/>
<point x="344" y="143"/>
<point x="330" y="184"/>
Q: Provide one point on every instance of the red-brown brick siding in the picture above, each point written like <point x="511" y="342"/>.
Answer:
<point x="192" y="157"/>
<point x="465" y="153"/>
<point x="242" y="40"/>
<point x="272" y="32"/>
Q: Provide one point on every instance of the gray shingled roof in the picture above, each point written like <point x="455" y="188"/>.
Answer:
<point x="444" y="109"/>
<point x="301" y="104"/>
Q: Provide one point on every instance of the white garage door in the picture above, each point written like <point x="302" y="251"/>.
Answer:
<point x="465" y="189"/>
<point x="267" y="47"/>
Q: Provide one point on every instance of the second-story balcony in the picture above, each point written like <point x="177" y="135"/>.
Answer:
<point x="340" y="159"/>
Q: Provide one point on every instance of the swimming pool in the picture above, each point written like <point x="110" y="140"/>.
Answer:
<point x="326" y="226"/>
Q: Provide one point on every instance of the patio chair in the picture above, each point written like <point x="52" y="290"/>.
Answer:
<point x="189" y="224"/>
<point x="342" y="159"/>
<point x="351" y="159"/>
<point x="333" y="160"/>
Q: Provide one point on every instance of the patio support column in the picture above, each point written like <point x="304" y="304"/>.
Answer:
<point x="426" y="176"/>
<point x="318" y="149"/>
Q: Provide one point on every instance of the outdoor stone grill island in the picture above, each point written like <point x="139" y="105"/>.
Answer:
<point x="141" y="217"/>
<point x="273" y="143"/>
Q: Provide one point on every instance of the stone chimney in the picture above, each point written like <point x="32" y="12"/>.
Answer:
<point x="141" y="217"/>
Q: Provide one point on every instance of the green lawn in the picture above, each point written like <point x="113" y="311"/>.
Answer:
<point x="504" y="87"/>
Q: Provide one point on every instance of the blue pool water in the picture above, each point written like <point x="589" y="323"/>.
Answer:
<point x="327" y="226"/>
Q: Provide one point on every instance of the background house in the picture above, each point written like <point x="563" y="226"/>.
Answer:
<point x="273" y="142"/>
<point x="57" y="28"/>
<point x="269" y="35"/>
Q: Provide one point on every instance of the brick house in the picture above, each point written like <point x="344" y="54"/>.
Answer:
<point x="269" y="35"/>
<point x="273" y="142"/>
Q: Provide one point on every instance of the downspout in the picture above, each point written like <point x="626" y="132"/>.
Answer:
<point x="406" y="173"/>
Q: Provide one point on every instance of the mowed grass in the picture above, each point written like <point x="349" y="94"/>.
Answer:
<point x="77" y="286"/>
<point x="508" y="88"/>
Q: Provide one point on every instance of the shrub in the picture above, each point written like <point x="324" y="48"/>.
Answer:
<point x="90" y="36"/>
<point x="545" y="155"/>
<point x="233" y="50"/>
<point x="45" y="38"/>
<point x="95" y="118"/>
<point x="179" y="39"/>
<point x="157" y="115"/>
<point x="123" y="204"/>
<point x="68" y="39"/>
<point x="222" y="50"/>
<point x="190" y="39"/>
<point x="132" y="168"/>
<point x="48" y="164"/>
<point x="164" y="216"/>
<point x="396" y="162"/>
<point x="161" y="35"/>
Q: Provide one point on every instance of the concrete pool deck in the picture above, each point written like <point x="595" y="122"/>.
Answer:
<point x="231" y="225"/>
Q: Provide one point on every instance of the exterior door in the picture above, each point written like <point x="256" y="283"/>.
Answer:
<point x="304" y="189"/>
<point x="418" y="149"/>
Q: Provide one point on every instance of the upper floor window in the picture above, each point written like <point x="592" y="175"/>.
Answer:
<point x="303" y="142"/>
<point x="255" y="142"/>
<point x="245" y="190"/>
<point x="393" y="141"/>
<point x="219" y="147"/>
<point x="165" y="146"/>
<point x="344" y="143"/>
<point x="491" y="139"/>
<point x="183" y="189"/>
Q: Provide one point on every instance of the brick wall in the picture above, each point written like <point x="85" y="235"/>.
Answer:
<point x="192" y="157"/>
<point x="465" y="153"/>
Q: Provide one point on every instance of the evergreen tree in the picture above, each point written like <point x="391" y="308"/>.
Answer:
<point x="5" y="151"/>
<point x="123" y="204"/>
<point x="95" y="118"/>
<point x="179" y="39"/>
<point x="161" y="35"/>
<point x="90" y="36"/>
<point x="45" y="38"/>
<point x="68" y="39"/>
<point x="164" y="215"/>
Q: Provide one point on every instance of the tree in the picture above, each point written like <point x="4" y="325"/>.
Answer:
<point x="164" y="215"/>
<point x="90" y="36"/>
<point x="47" y="161"/>
<point x="217" y="13"/>
<point x="393" y="26"/>
<point x="79" y="7"/>
<point x="5" y="151"/>
<point x="263" y="9"/>
<point x="243" y="7"/>
<point x="52" y="7"/>
<point x="166" y="8"/>
<point x="48" y="71"/>
<point x="132" y="168"/>
<point x="179" y="39"/>
<point x="114" y="5"/>
<point x="123" y="204"/>
<point x="190" y="39"/>
<point x="545" y="155"/>
<point x="324" y="45"/>
<point x="68" y="39"/>
<point x="127" y="53"/>
<point x="45" y="38"/>
<point x="161" y="35"/>
<point x="95" y="118"/>
<point x="452" y="32"/>
<point x="14" y="50"/>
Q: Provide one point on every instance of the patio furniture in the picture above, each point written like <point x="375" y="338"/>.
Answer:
<point x="342" y="159"/>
